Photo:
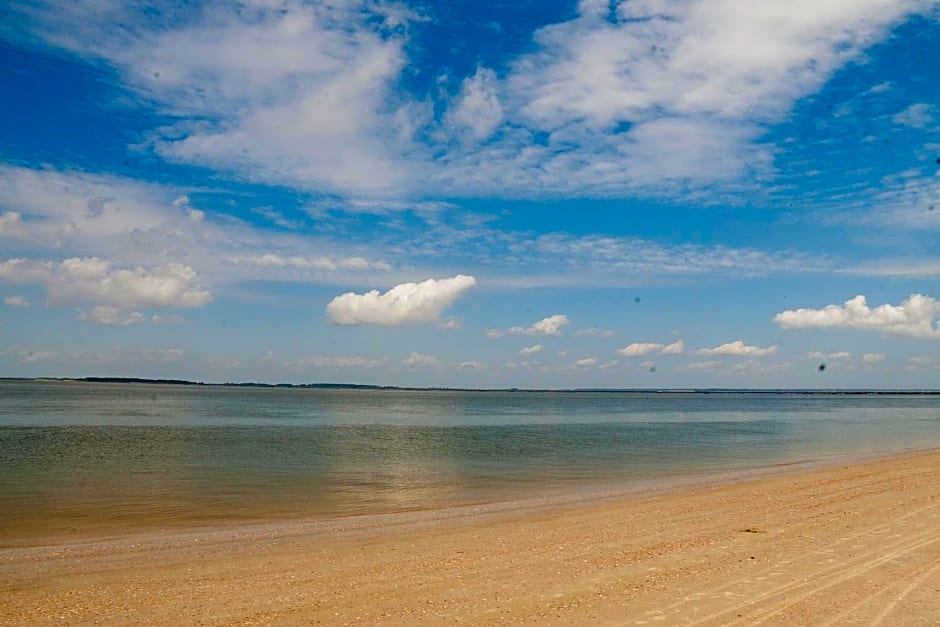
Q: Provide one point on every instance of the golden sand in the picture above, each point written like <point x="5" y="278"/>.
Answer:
<point x="856" y="544"/>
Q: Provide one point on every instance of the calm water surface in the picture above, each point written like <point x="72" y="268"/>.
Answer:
<point x="76" y="456"/>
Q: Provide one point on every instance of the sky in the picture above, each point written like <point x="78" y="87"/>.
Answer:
<point x="634" y="194"/>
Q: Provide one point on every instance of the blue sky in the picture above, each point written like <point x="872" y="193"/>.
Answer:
<point x="650" y="193"/>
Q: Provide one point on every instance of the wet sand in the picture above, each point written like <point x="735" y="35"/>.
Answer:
<point x="848" y="544"/>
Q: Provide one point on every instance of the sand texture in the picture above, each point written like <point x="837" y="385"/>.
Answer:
<point x="847" y="545"/>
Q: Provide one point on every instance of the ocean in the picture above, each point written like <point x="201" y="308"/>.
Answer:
<point x="78" y="457"/>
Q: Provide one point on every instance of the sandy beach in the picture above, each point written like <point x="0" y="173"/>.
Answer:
<point x="846" y="544"/>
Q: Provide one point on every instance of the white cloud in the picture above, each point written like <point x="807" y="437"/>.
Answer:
<point x="914" y="317"/>
<point x="131" y="223"/>
<point x="478" y="108"/>
<point x="594" y="332"/>
<point x="659" y="95"/>
<point x="16" y="301"/>
<point x="703" y="365"/>
<point x="34" y="356"/>
<point x="331" y="361"/>
<point x="551" y="325"/>
<point x="738" y="349"/>
<point x="639" y="349"/>
<point x="311" y="94"/>
<point x="841" y="355"/>
<point x="586" y="362"/>
<point x="272" y="215"/>
<point x="403" y="304"/>
<point x="919" y="115"/>
<point x="471" y="365"/>
<point x="111" y="316"/>
<point x="171" y="319"/>
<point x="915" y="363"/>
<point x="49" y="207"/>
<point x="420" y="360"/>
<point x="170" y="354"/>
<point x="284" y="91"/>
<point x="528" y="350"/>
<point x="871" y="358"/>
<point x="271" y="260"/>
<point x="11" y="224"/>
<point x="676" y="348"/>
<point x="90" y="279"/>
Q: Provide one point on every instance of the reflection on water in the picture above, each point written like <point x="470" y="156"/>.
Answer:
<point x="76" y="456"/>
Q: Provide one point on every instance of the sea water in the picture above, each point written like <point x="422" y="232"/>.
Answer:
<point x="76" y="456"/>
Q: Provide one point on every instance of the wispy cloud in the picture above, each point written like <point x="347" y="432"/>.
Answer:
<point x="919" y="115"/>
<point x="655" y="97"/>
<point x="333" y="361"/>
<point x="420" y="360"/>
<point x="16" y="301"/>
<point x="594" y="332"/>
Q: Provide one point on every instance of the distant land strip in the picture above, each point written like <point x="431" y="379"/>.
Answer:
<point x="360" y="386"/>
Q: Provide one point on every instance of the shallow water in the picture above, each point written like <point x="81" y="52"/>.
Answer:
<point x="80" y="456"/>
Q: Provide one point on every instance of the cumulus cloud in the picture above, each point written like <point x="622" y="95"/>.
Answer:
<point x="528" y="350"/>
<point x="841" y="355"/>
<point x="676" y="348"/>
<point x="406" y="303"/>
<point x="551" y="325"/>
<point x="420" y="360"/>
<point x="111" y="316"/>
<point x="871" y="358"/>
<point x="916" y="316"/>
<point x="639" y="349"/>
<point x="16" y="301"/>
<point x="738" y="349"/>
<point x="586" y="362"/>
<point x="90" y="279"/>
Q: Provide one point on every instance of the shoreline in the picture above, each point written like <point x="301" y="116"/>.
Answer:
<point x="555" y="498"/>
<point x="825" y="539"/>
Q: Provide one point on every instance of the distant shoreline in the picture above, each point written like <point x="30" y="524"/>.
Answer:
<point x="359" y="386"/>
